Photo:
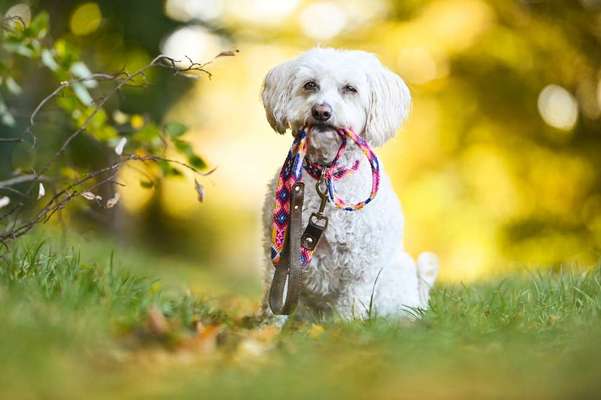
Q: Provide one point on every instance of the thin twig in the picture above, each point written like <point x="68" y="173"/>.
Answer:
<point x="169" y="160"/>
<point x="46" y="99"/>
<point x="6" y="21"/>
<point x="20" y="179"/>
<point x="15" y="191"/>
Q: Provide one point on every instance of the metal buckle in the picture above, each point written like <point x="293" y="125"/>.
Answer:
<point x="314" y="230"/>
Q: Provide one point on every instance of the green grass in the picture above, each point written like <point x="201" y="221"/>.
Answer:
<point x="75" y="327"/>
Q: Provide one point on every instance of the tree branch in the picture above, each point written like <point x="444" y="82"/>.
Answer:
<point x="99" y="177"/>
<point x="63" y="196"/>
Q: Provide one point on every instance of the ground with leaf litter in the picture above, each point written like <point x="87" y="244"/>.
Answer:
<point x="100" y="326"/>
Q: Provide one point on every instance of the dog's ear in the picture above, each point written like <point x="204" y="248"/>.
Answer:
<point x="277" y="90"/>
<point x="389" y="104"/>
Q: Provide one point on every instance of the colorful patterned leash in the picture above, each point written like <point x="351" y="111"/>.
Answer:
<point x="331" y="173"/>
<point x="287" y="214"/>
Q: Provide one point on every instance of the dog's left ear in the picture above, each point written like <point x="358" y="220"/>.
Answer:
<point x="389" y="104"/>
<point x="277" y="90"/>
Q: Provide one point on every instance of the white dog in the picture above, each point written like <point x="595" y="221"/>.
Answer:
<point x="360" y="267"/>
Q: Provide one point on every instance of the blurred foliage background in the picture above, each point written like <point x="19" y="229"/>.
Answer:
<point x="499" y="166"/>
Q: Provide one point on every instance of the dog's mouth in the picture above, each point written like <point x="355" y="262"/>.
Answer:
<point x="324" y="141"/>
<point x="323" y="127"/>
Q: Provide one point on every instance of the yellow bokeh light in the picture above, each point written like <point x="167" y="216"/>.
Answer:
<point x="185" y="10"/>
<point x="137" y="121"/>
<point x="269" y="12"/>
<point x="417" y="65"/>
<point x="558" y="107"/>
<point x="191" y="42"/>
<point x="323" y="20"/>
<point x="134" y="197"/>
<point x="86" y="19"/>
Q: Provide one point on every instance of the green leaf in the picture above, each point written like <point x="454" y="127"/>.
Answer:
<point x="39" y="25"/>
<point x="183" y="147"/>
<point x="65" y="53"/>
<point x="82" y="94"/>
<point x="81" y="71"/>
<point x="175" y="129"/>
<point x="5" y="116"/>
<point x="168" y="170"/>
<point x="147" y="134"/>
<point x="13" y="86"/>
<point x="98" y="121"/>
<point x="164" y="166"/>
<point x="68" y="103"/>
<point x="18" y="47"/>
<point x="105" y="133"/>
<point x="8" y="119"/>
<point x="197" y="162"/>
<point x="48" y="60"/>
<point x="175" y="172"/>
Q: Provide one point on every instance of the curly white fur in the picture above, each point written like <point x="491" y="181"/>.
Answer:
<point x="360" y="267"/>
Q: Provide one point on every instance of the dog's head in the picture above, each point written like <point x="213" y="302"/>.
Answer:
<point x="330" y="89"/>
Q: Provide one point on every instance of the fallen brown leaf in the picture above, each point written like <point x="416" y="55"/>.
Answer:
<point x="90" y="196"/>
<point x="227" y="53"/>
<point x="156" y="322"/>
<point x="205" y="340"/>
<point x="200" y="190"/>
<point x="112" y="202"/>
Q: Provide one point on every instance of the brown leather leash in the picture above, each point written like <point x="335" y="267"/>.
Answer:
<point x="289" y="274"/>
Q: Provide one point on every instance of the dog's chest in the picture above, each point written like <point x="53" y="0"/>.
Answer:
<point x="348" y="252"/>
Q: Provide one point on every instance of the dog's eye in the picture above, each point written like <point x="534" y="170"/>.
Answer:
<point x="311" y="86"/>
<point x="349" y="89"/>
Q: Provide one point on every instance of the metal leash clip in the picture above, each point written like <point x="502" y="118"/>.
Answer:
<point x="318" y="222"/>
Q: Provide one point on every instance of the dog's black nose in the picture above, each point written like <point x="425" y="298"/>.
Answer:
<point x="321" y="112"/>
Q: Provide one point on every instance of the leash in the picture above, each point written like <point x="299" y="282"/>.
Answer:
<point x="291" y="250"/>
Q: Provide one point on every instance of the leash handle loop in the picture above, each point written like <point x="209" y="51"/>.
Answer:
<point x="375" y="171"/>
